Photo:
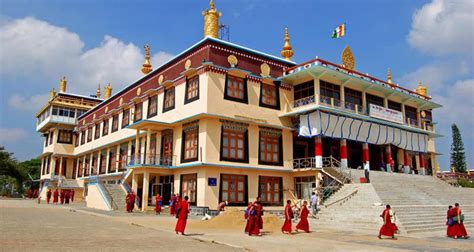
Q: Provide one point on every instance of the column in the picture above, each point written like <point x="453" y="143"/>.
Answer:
<point x="422" y="170"/>
<point x="137" y="145"/>
<point x="158" y="147"/>
<point x="107" y="161"/>
<point x="134" y="182"/>
<point x="77" y="168"/>
<point x="406" y="164"/>
<point x="365" y="153"/>
<point x="146" y="182"/>
<point x="42" y="167"/>
<point x="99" y="161"/>
<point x="418" y="117"/>
<point x="117" y="158"/>
<point x="342" y="96"/>
<point x="316" y="90"/>
<point x="142" y="150"/>
<point x="83" y="165"/>
<point x="364" y="102"/>
<point x="388" y="154"/>
<point x="343" y="153"/>
<point x="90" y="163"/>
<point x="148" y="153"/>
<point x="318" y="151"/>
<point x="385" y="102"/>
<point x="60" y="166"/>
<point x="403" y="112"/>
<point x="129" y="153"/>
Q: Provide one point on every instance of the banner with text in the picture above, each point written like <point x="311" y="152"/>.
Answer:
<point x="385" y="113"/>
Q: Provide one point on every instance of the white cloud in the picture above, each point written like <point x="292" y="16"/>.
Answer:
<point x="8" y="135"/>
<point x="444" y="27"/>
<point x="32" y="103"/>
<point x="47" y="52"/>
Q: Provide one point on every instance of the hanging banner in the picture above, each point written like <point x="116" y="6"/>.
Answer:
<point x="385" y="114"/>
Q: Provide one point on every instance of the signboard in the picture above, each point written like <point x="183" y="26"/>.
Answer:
<point x="212" y="181"/>
<point x="385" y="113"/>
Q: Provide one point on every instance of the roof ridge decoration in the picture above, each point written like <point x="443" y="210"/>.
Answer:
<point x="287" y="51"/>
<point x="348" y="60"/>
<point x="147" y="67"/>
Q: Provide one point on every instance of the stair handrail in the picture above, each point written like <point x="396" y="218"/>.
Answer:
<point x="342" y="199"/>
<point x="103" y="191"/>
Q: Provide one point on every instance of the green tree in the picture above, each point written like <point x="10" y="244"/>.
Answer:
<point x="458" y="156"/>
<point x="8" y="168"/>
<point x="30" y="170"/>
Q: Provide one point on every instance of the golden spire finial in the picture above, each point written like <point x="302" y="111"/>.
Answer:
<point x="287" y="51"/>
<point x="107" y="91"/>
<point x="52" y="94"/>
<point x="348" y="60"/>
<point x="211" y="21"/>
<point x="97" y="93"/>
<point x="389" y="76"/>
<point x="146" y="67"/>
<point x="422" y="90"/>
<point x="62" y="85"/>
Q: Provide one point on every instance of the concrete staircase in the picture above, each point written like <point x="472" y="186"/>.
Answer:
<point x="118" y="194"/>
<point x="354" y="207"/>
<point x="420" y="202"/>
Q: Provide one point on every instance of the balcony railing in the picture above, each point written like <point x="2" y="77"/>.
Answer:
<point x="303" y="101"/>
<point x="157" y="160"/>
<point x="302" y="163"/>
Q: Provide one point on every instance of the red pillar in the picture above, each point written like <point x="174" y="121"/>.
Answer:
<point x="422" y="163"/>
<point x="388" y="154"/>
<point x="318" y="151"/>
<point x="365" y="153"/>
<point x="343" y="153"/>
<point x="406" y="164"/>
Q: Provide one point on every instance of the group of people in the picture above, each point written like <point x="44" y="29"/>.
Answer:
<point x="32" y="193"/>
<point x="454" y="221"/>
<point x="302" y="225"/>
<point x="130" y="201"/>
<point x="64" y="196"/>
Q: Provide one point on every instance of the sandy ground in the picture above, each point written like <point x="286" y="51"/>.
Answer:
<point x="47" y="227"/>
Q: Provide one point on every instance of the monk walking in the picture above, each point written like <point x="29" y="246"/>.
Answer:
<point x="259" y="212"/>
<point x="450" y="222"/>
<point x="182" y="215"/>
<point x="55" y="196"/>
<point x="132" y="202"/>
<point x="458" y="229"/>
<point x="254" y="223"/>
<point x="72" y="195"/>
<point x="388" y="228"/>
<point x="61" y="196"/>
<point x="173" y="202"/>
<point x="66" y="197"/>
<point x="48" y="196"/>
<point x="286" y="229"/>
<point x="158" y="200"/>
<point x="247" y="217"/>
<point x="303" y="224"/>
<point x="127" y="202"/>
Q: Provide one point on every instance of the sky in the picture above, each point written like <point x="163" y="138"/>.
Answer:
<point x="95" y="42"/>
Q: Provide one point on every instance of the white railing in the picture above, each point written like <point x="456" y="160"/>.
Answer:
<point x="304" y="101"/>
<point x="157" y="160"/>
<point x="302" y="163"/>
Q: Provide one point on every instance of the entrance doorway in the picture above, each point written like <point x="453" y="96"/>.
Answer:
<point x="164" y="188"/>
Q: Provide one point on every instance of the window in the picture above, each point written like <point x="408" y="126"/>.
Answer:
<point x="372" y="99"/>
<point x="65" y="136"/>
<point x="270" y="190"/>
<point x="105" y="127"/>
<point x="269" y="96"/>
<point x="167" y="147"/>
<point x="233" y="188"/>
<point x="305" y="186"/>
<point x="152" y="106"/>
<point x="189" y="186"/>
<point x="89" y="134"/>
<point x="192" y="89"/>
<point x="79" y="172"/>
<point x="83" y="137"/>
<point x="103" y="162"/>
<point x="328" y="91"/>
<point x="236" y="89"/>
<point x="76" y="139"/>
<point x="304" y="90"/>
<point x="270" y="147"/>
<point x="395" y="105"/>
<point x="410" y="113"/>
<point x="46" y="140"/>
<point x="189" y="150"/>
<point x="234" y="143"/>
<point x="138" y="112"/>
<point x="125" y="118"/>
<point x="97" y="131"/>
<point x="51" y="136"/>
<point x="115" y="122"/>
<point x="112" y="162"/>
<point x="352" y="97"/>
<point x="87" y="167"/>
<point x="168" y="101"/>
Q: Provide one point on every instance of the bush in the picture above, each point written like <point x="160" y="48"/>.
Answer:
<point x="465" y="183"/>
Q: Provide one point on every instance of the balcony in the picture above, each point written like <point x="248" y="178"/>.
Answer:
<point x="55" y="119"/>
<point x="149" y="160"/>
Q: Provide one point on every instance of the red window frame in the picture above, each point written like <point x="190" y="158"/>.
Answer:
<point x="125" y="118"/>
<point x="105" y="127"/>
<point x="230" y="190"/>
<point x="138" y="115"/>
<point x="269" y="149"/>
<point x="192" y="89"/>
<point x="270" y="190"/>
<point x="152" y="106"/>
<point x="235" y="87"/>
<point x="115" y="122"/>
<point x="189" y="187"/>
<point x="97" y="131"/>
<point x="227" y="148"/>
<point x="190" y="146"/>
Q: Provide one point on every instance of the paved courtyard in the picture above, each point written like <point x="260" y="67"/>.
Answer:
<point x="27" y="226"/>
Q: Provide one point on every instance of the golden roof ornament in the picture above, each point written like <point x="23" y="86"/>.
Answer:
<point x="62" y="85"/>
<point x="287" y="51"/>
<point x="348" y="60"/>
<point x="107" y="91"/>
<point x="389" y="76"/>
<point x="265" y="70"/>
<point x="146" y="67"/>
<point x="97" y="93"/>
<point x="52" y="94"/>
<point x="211" y="21"/>
<point x="233" y="61"/>
<point x="187" y="64"/>
<point x="421" y="90"/>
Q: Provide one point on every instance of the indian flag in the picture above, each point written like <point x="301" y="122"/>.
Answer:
<point x="339" y="31"/>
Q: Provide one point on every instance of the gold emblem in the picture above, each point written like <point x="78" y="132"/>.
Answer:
<point x="232" y="60"/>
<point x="187" y="64"/>
<point x="93" y="117"/>
<point x="348" y="59"/>
<point x="106" y="109"/>
<point x="121" y="101"/>
<point x="265" y="70"/>
<point x="160" y="79"/>
<point x="139" y="91"/>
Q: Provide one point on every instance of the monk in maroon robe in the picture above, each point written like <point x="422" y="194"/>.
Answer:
<point x="132" y="201"/>
<point x="458" y="229"/>
<point x="173" y="202"/>
<point x="35" y="193"/>
<point x="127" y="202"/>
<point x="55" y="196"/>
<point x="388" y="228"/>
<point x="259" y="212"/>
<point x="66" y="197"/>
<point x="72" y="195"/>
<point x="303" y="224"/>
<point x="449" y="222"/>
<point x="286" y="228"/>
<point x="182" y="215"/>
<point x="254" y="223"/>
<point x="247" y="217"/>
<point x="158" y="200"/>
<point x="29" y="193"/>
<point x="61" y="196"/>
<point x="48" y="196"/>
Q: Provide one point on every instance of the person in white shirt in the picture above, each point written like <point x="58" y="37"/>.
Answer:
<point x="366" y="171"/>
<point x="314" y="203"/>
